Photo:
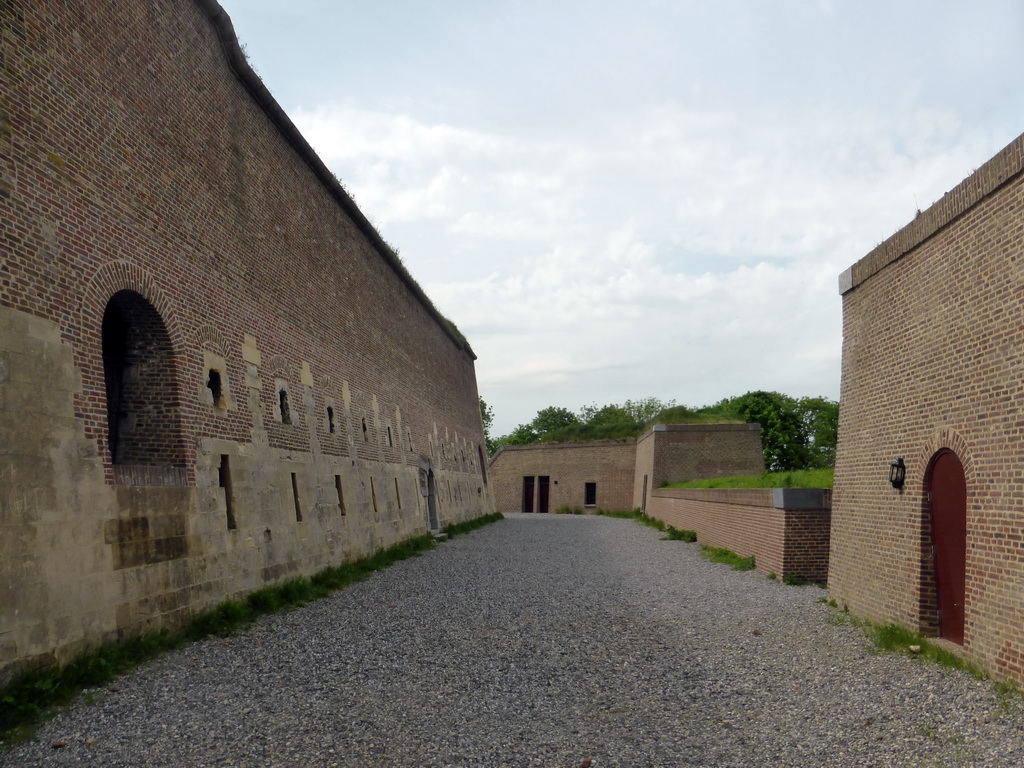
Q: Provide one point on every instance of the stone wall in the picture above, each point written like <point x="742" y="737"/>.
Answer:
<point x="932" y="362"/>
<point x="213" y="372"/>
<point x="785" y="531"/>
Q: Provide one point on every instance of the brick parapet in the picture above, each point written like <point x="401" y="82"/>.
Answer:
<point x="996" y="172"/>
<point x="786" y="542"/>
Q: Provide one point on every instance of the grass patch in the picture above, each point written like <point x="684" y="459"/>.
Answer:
<point x="674" y="534"/>
<point x="31" y="696"/>
<point x="728" y="557"/>
<point x="892" y="638"/>
<point x="635" y="514"/>
<point x="457" y="529"/>
<point x="567" y="510"/>
<point x="802" y="478"/>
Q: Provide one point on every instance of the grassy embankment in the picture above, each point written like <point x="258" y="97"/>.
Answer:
<point x="802" y="478"/>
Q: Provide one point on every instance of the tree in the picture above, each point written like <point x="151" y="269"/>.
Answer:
<point x="487" y="420"/>
<point x="552" y="418"/>
<point x="646" y="408"/>
<point x="820" y="417"/>
<point x="783" y="436"/>
<point x="609" y="414"/>
<point x="524" y="434"/>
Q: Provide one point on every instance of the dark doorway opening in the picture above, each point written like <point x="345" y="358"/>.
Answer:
<point x="528" y="494"/>
<point x="432" y="521"/>
<point x="590" y="495"/>
<point x="543" y="493"/>
<point x="947" y="491"/>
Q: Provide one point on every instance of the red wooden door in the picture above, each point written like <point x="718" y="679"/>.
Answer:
<point x="949" y="538"/>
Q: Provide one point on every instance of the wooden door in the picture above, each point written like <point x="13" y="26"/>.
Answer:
<point x="948" y="493"/>
<point x="543" y="493"/>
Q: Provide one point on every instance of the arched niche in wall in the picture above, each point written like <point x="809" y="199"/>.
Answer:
<point x="143" y="420"/>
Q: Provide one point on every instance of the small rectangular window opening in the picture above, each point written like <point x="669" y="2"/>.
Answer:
<point x="216" y="387"/>
<point x="398" y="495"/>
<point x="330" y="420"/>
<point x="366" y="432"/>
<point x="224" y="480"/>
<point x="391" y="442"/>
<point x="295" y="498"/>
<point x="590" y="495"/>
<point x="341" y="496"/>
<point x="286" y="413"/>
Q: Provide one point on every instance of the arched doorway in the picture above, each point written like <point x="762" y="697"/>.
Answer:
<point x="143" y="424"/>
<point x="947" y="494"/>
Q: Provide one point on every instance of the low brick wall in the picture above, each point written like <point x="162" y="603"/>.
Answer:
<point x="786" y="530"/>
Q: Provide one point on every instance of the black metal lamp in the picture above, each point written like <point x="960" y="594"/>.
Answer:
<point x="897" y="473"/>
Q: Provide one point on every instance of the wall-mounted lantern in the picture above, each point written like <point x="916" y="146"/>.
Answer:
<point x="897" y="473"/>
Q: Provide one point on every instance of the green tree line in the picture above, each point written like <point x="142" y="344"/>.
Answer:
<point x="796" y="433"/>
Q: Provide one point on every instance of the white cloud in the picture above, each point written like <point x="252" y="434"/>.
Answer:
<point x="680" y="253"/>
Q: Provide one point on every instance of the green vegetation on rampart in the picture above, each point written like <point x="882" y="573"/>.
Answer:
<point x="796" y="433"/>
<point x="798" y="478"/>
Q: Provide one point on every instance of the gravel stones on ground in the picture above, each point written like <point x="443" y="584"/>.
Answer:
<point x="542" y="641"/>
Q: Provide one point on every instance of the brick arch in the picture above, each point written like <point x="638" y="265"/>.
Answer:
<point x="109" y="280"/>
<point x="279" y="367"/>
<point x="944" y="439"/>
<point x="123" y="275"/>
<point x="208" y="337"/>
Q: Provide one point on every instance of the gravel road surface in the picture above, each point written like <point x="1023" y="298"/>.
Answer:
<point x="542" y="641"/>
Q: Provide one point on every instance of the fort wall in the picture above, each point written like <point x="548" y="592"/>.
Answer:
<point x="286" y="396"/>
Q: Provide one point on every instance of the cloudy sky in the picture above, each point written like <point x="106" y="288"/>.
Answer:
<point x="623" y="198"/>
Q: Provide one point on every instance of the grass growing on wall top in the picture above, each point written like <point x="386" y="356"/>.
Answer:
<point x="797" y="478"/>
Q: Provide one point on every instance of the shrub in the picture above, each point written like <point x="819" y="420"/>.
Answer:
<point x="674" y="534"/>
<point x="728" y="557"/>
<point x="567" y="510"/>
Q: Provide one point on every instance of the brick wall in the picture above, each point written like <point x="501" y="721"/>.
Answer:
<point x="932" y="360"/>
<point x="232" y="250"/>
<point x="675" y="453"/>
<point x="786" y="532"/>
<point x="569" y="466"/>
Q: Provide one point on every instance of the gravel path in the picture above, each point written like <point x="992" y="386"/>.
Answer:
<point x="542" y="641"/>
